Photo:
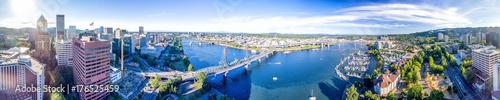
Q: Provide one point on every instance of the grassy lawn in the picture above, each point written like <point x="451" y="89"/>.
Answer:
<point x="180" y="66"/>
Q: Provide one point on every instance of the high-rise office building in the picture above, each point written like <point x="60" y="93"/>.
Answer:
<point x="446" y="38"/>
<point x="91" y="65"/>
<point x="440" y="36"/>
<point x="71" y="32"/>
<point x="41" y="24"/>
<point x="128" y="45"/>
<point x="144" y="41"/>
<point x="468" y="39"/>
<point x="141" y="30"/>
<point x="117" y="33"/>
<point x="108" y="30"/>
<point x="479" y="37"/>
<point x="483" y="60"/>
<point x="64" y="53"/>
<point x="60" y="27"/>
<point x="41" y="40"/>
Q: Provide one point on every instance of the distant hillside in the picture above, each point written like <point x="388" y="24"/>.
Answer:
<point x="13" y="31"/>
<point x="457" y="31"/>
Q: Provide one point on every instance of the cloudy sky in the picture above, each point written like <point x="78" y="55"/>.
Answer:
<point x="258" y="16"/>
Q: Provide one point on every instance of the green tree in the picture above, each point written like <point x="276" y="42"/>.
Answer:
<point x="57" y="96"/>
<point x="351" y="93"/>
<point x="135" y="58"/>
<point x="370" y="96"/>
<point x="415" y="92"/>
<point x="436" y="95"/>
<point x="200" y="79"/>
<point x="391" y="96"/>
<point x="190" y="68"/>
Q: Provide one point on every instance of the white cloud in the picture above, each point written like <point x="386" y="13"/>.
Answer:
<point x="372" y="17"/>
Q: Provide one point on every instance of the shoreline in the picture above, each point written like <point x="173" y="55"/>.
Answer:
<point x="307" y="47"/>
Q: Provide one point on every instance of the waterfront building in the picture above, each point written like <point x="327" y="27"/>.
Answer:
<point x="71" y="32"/>
<point x="64" y="53"/>
<point x="91" y="65"/>
<point x="21" y="71"/>
<point x="383" y="44"/>
<point x="386" y="82"/>
<point x="60" y="28"/>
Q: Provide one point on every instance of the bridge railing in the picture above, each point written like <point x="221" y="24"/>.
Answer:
<point x="214" y="69"/>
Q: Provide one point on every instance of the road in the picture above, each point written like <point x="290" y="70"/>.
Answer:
<point x="464" y="91"/>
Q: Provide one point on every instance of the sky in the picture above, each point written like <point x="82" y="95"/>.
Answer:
<point x="369" y="17"/>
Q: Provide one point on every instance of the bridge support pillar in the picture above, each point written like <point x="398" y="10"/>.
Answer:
<point x="225" y="76"/>
<point x="259" y="60"/>
<point x="246" y="67"/>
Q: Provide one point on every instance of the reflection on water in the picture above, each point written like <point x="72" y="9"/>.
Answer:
<point x="298" y="72"/>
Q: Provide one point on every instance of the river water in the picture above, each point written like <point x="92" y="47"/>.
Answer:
<point x="299" y="73"/>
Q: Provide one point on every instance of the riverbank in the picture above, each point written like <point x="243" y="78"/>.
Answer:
<point x="236" y="46"/>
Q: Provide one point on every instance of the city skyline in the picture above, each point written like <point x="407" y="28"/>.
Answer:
<point x="291" y="16"/>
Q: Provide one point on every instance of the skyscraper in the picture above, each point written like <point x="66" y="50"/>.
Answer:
<point x="479" y="37"/>
<point x="108" y="30"/>
<point x="64" y="53"/>
<point x="440" y="36"/>
<point x="468" y="39"/>
<point x="71" y="32"/>
<point x="60" y="27"/>
<point x="41" y="24"/>
<point x="91" y="65"/>
<point x="141" y="30"/>
<point x="117" y="33"/>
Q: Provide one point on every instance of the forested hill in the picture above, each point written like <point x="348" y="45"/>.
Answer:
<point x="457" y="31"/>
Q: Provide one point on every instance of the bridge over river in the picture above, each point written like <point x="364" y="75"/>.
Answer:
<point x="212" y="70"/>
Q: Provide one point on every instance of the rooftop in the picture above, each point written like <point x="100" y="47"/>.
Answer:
<point x="37" y="66"/>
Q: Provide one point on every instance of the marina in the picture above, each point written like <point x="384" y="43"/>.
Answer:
<point x="357" y="65"/>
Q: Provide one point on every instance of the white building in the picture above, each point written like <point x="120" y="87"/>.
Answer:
<point x="25" y="72"/>
<point x="496" y="83"/>
<point x="386" y="82"/>
<point x="483" y="60"/>
<point x="446" y="38"/>
<point x="64" y="54"/>
<point x="115" y="74"/>
<point x="440" y="36"/>
<point x="71" y="32"/>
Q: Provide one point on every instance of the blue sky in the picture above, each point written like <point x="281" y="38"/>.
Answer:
<point x="258" y="16"/>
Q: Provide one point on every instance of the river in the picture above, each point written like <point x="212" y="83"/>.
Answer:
<point x="298" y="73"/>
